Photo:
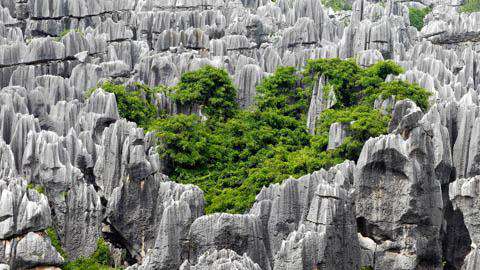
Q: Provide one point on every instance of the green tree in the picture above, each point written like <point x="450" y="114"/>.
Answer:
<point x="210" y="87"/>
<point x="134" y="104"/>
<point x="417" y="16"/>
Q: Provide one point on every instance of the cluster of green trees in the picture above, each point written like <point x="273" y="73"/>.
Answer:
<point x="234" y="153"/>
<point x="417" y="15"/>
<point x="470" y="6"/>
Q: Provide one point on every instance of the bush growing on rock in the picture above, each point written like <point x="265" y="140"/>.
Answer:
<point x="337" y="4"/>
<point x="99" y="260"/>
<point x="210" y="87"/>
<point x="233" y="153"/>
<point x="135" y="104"/>
<point x="231" y="160"/>
<point x="417" y="15"/>
<point x="470" y="6"/>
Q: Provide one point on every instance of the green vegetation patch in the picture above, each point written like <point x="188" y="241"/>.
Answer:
<point x="233" y="153"/>
<point x="417" y="15"/>
<point x="99" y="260"/>
<point x="337" y="5"/>
<point x="40" y="189"/>
<point x="470" y="6"/>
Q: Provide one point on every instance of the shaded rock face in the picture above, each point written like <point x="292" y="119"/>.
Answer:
<point x="301" y="222"/>
<point x="406" y="230"/>
<point x="83" y="221"/>
<point x="464" y="194"/>
<point x="155" y="214"/>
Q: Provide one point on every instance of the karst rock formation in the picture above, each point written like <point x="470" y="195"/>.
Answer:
<point x="411" y="201"/>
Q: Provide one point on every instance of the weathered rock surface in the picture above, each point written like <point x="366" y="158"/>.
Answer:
<point x="241" y="233"/>
<point x="223" y="259"/>
<point x="406" y="230"/>
<point x="154" y="213"/>
<point x="102" y="176"/>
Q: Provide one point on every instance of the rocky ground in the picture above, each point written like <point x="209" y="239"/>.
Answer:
<point x="411" y="201"/>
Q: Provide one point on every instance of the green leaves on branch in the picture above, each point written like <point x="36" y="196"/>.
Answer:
<point x="135" y="104"/>
<point x="209" y="87"/>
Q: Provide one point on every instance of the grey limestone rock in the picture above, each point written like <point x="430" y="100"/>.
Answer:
<point x="337" y="134"/>
<point x="246" y="81"/>
<point x="221" y="259"/>
<point x="327" y="238"/>
<point x="22" y="209"/>
<point x="155" y="213"/>
<point x="35" y="250"/>
<point x="405" y="117"/>
<point x="241" y="233"/>
<point x="322" y="98"/>
<point x="82" y="221"/>
<point x="396" y="187"/>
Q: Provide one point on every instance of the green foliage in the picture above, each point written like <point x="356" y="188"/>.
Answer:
<point x="401" y="90"/>
<point x="417" y="15"/>
<point x="364" y="123"/>
<point x="234" y="153"/>
<point x="366" y="268"/>
<point x="337" y="4"/>
<point x="209" y="87"/>
<point x="52" y="234"/>
<point x="342" y="76"/>
<point x="99" y="260"/>
<point x="470" y="6"/>
<point x="65" y="32"/>
<point x="135" y="104"/>
<point x="283" y="93"/>
<point x="40" y="189"/>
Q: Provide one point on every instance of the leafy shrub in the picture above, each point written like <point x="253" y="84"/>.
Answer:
<point x="40" y="189"/>
<point x="210" y="87"/>
<point x="417" y="15"/>
<point x="365" y="122"/>
<point x="401" y="90"/>
<point x="341" y="75"/>
<point x="234" y="153"/>
<point x="135" y="105"/>
<point x="52" y="234"/>
<point x="283" y="92"/>
<point x="99" y="260"/>
<point x="470" y="6"/>
<point x="337" y="4"/>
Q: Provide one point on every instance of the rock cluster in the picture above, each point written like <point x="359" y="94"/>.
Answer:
<point x="70" y="164"/>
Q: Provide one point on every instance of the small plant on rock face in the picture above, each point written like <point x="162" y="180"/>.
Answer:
<point x="470" y="6"/>
<point x="40" y="189"/>
<point x="52" y="234"/>
<point x="417" y="16"/>
<point x="337" y="4"/>
<point x="99" y="260"/>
